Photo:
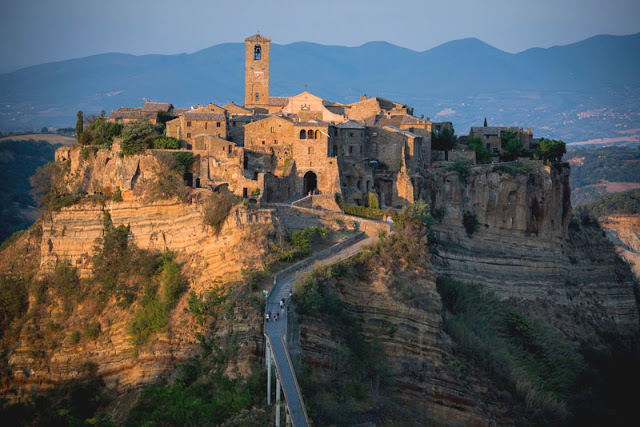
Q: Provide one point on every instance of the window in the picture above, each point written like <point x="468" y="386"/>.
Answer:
<point x="303" y="134"/>
<point x="351" y="149"/>
<point x="273" y="130"/>
<point x="275" y="142"/>
<point x="310" y="134"/>
<point x="262" y="142"/>
<point x="188" y="124"/>
<point x="217" y="124"/>
<point x="350" y="133"/>
<point x="233" y="124"/>
<point x="257" y="52"/>
<point x="488" y="146"/>
<point x="257" y="97"/>
<point x="205" y="125"/>
<point x="310" y="150"/>
<point x="189" y="135"/>
<point x="316" y="135"/>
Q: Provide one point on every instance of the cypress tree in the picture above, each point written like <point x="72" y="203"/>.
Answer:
<point x="485" y="122"/>
<point x="79" y="125"/>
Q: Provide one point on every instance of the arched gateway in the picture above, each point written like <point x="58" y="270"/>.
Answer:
<point x="310" y="183"/>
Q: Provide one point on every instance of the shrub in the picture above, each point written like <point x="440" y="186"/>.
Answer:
<point x="552" y="150"/>
<point x="217" y="207"/>
<point x="14" y="300"/>
<point x="482" y="154"/>
<point x="48" y="186"/>
<point x="373" y="201"/>
<point x="167" y="143"/>
<point x="117" y="195"/>
<point x="462" y="167"/>
<point x="361" y="211"/>
<point x="99" y="132"/>
<point x="74" y="337"/>
<point x="139" y="136"/>
<point x="92" y="330"/>
<point x="470" y="222"/>
<point x="170" y="176"/>
<point x="512" y="170"/>
<point x="66" y="283"/>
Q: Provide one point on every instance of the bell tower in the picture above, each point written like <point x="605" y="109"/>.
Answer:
<point x="256" y="72"/>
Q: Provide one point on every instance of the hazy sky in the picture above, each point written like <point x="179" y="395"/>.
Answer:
<point x="38" y="31"/>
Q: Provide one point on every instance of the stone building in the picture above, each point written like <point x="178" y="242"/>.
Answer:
<point x="208" y="120"/>
<point x="152" y="111"/>
<point x="491" y="136"/>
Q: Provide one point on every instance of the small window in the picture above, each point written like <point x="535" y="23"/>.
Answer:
<point x="233" y="124"/>
<point x="350" y="133"/>
<point x="205" y="125"/>
<point x="275" y="142"/>
<point x="217" y="124"/>
<point x="488" y="146"/>
<point x="189" y="135"/>
<point x="257" y="52"/>
<point x="310" y="150"/>
<point x="188" y="124"/>
<point x="303" y="134"/>
<point x="257" y="97"/>
<point x="351" y="149"/>
<point x="262" y="142"/>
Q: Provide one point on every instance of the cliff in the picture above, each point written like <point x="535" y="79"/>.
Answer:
<point x="624" y="232"/>
<point x="523" y="247"/>
<point x="45" y="352"/>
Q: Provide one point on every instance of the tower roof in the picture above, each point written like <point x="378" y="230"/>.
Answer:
<point x="257" y="38"/>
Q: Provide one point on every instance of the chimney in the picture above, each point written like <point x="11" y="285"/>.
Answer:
<point x="147" y="100"/>
<point x="198" y="106"/>
<point x="363" y="97"/>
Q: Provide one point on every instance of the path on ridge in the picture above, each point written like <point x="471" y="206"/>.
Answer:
<point x="275" y="330"/>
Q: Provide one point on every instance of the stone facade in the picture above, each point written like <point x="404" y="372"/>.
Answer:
<point x="491" y="140"/>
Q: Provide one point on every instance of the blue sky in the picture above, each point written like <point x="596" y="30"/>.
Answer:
<point x="38" y="31"/>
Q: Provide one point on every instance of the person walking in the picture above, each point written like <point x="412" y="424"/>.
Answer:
<point x="267" y="317"/>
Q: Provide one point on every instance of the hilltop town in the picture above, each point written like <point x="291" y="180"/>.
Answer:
<point x="279" y="148"/>
<point x="419" y="277"/>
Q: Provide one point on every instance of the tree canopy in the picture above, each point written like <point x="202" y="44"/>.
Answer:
<point x="552" y="150"/>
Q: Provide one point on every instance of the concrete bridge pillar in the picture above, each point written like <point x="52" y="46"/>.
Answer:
<point x="268" y="361"/>
<point x="277" y="402"/>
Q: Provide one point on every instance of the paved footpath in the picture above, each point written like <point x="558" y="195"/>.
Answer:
<point x="275" y="331"/>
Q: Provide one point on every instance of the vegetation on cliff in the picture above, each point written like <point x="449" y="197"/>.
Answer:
<point x="552" y="379"/>
<point x="20" y="160"/>
<point x="626" y="202"/>
<point x="360" y="380"/>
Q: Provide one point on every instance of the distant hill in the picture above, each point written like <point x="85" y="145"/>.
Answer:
<point x="577" y="92"/>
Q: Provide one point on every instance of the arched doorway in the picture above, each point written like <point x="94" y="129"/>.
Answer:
<point x="310" y="183"/>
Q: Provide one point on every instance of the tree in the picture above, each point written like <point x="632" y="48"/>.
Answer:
<point x="139" y="136"/>
<point x="79" y="125"/>
<point x="552" y="150"/>
<point x="100" y="132"/>
<point x="44" y="130"/>
<point x="444" y="140"/>
<point x="475" y="143"/>
<point x="512" y="149"/>
<point x="485" y="122"/>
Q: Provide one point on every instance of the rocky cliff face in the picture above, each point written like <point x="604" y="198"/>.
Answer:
<point x="624" y="232"/>
<point x="523" y="247"/>
<point x="46" y="353"/>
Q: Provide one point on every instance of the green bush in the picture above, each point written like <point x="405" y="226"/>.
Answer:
<point x="217" y="207"/>
<point x="66" y="283"/>
<point x="361" y="211"/>
<point x="139" y="136"/>
<point x="462" y="167"/>
<point x="117" y="195"/>
<point x="14" y="300"/>
<point x="92" y="330"/>
<point x="49" y="186"/>
<point x="482" y="154"/>
<point x="470" y="222"/>
<point x="373" y="201"/>
<point x="167" y="143"/>
<point x="100" y="132"/>
<point x="74" y="337"/>
<point x="512" y="170"/>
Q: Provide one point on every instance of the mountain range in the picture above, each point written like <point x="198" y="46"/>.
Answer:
<point x="582" y="91"/>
